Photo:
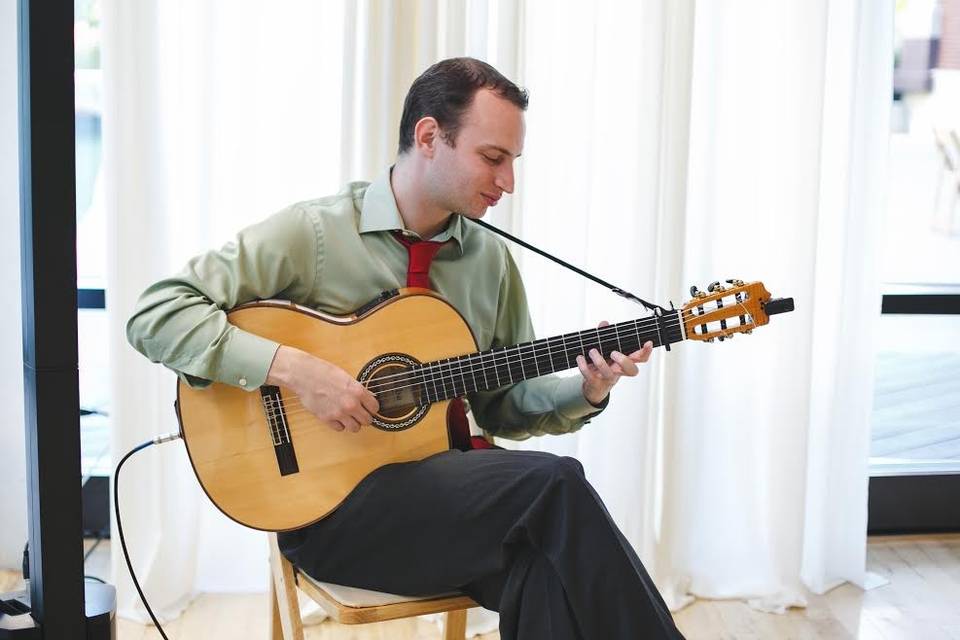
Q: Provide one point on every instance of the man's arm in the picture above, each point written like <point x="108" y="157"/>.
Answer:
<point x="182" y="323"/>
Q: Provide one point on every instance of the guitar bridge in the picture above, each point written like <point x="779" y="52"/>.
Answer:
<point x="279" y="430"/>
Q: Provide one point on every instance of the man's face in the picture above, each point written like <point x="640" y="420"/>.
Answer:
<point x="471" y="176"/>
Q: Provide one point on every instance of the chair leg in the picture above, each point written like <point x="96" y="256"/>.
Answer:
<point x="285" y="594"/>
<point x="276" y="628"/>
<point x="455" y="625"/>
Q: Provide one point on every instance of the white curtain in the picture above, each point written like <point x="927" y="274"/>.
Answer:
<point x="739" y="140"/>
<point x="669" y="143"/>
<point x="216" y="115"/>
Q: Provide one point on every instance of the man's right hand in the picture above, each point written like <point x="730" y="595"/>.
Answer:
<point x="324" y="389"/>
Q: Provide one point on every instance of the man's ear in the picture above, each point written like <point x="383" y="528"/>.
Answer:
<point x="426" y="135"/>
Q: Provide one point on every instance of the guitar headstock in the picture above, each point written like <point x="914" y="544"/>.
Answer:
<point x="721" y="311"/>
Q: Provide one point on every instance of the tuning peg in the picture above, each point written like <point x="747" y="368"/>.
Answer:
<point x="694" y="291"/>
<point x="715" y="286"/>
<point x="735" y="282"/>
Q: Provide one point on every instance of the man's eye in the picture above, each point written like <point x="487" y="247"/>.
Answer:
<point x="491" y="160"/>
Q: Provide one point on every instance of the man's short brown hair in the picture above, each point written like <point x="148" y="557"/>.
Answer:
<point x="445" y="91"/>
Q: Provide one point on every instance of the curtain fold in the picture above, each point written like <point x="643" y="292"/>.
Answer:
<point x="669" y="143"/>
<point x="216" y="114"/>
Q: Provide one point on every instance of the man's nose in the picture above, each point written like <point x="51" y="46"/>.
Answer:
<point x="504" y="179"/>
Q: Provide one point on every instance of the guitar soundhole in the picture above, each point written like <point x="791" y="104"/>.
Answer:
<point x="399" y="395"/>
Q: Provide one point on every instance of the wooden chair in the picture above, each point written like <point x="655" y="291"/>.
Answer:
<point x="348" y="605"/>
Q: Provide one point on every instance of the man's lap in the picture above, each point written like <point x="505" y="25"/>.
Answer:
<point x="429" y="526"/>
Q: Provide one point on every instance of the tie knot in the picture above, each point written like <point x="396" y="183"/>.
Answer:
<point x="420" y="254"/>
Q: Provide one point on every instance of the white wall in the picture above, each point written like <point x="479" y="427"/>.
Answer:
<point x="13" y="495"/>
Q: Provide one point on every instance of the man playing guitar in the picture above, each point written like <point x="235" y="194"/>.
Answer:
<point x="523" y="533"/>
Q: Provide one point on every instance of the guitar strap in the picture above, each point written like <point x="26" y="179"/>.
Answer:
<point x="656" y="309"/>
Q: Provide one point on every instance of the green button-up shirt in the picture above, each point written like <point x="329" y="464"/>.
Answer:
<point x="335" y="254"/>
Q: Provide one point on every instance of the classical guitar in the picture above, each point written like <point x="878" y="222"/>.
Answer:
<point x="268" y="463"/>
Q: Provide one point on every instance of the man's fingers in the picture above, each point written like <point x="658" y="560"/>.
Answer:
<point x="351" y="424"/>
<point x="369" y="402"/>
<point x="336" y="425"/>
<point x="585" y="368"/>
<point x="627" y="366"/>
<point x="362" y="417"/>
<point x="642" y="355"/>
<point x="602" y="367"/>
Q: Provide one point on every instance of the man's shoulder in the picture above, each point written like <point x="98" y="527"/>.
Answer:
<point x="345" y="203"/>
<point x="482" y="241"/>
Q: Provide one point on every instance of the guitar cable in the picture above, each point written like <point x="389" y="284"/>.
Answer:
<point x="116" y="509"/>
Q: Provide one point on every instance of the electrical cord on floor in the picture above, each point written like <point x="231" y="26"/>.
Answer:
<point x="116" y="508"/>
<point x="92" y="548"/>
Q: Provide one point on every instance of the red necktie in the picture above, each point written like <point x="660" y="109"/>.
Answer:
<point x="421" y="254"/>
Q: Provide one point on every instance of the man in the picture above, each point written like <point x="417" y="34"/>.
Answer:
<point x="523" y="533"/>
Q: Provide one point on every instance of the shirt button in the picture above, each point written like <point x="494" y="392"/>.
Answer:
<point x="243" y="382"/>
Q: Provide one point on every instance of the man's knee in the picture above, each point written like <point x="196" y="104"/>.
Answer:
<point x="550" y="468"/>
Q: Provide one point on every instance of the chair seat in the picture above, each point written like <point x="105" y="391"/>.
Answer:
<point x="355" y="597"/>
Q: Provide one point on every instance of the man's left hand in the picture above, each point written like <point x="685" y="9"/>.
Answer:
<point x="599" y="376"/>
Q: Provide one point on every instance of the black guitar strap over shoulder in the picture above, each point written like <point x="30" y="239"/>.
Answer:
<point x="656" y="309"/>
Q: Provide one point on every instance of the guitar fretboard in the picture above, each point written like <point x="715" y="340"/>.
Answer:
<point x="501" y="366"/>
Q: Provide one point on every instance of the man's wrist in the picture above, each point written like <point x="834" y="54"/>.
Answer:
<point x="598" y="402"/>
<point x="280" y="373"/>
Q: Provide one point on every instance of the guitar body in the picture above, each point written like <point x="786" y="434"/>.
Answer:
<point x="232" y="442"/>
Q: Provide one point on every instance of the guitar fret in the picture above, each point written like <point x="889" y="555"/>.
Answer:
<point x="473" y="374"/>
<point x="462" y="377"/>
<point x="436" y="393"/>
<point x="453" y="379"/>
<point x="486" y="383"/>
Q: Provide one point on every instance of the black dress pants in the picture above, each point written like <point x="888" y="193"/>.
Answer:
<point x="521" y="532"/>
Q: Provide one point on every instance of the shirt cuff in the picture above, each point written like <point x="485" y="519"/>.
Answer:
<point x="571" y="403"/>
<point x="250" y="359"/>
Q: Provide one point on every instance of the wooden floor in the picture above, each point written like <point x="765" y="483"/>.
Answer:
<point x="921" y="602"/>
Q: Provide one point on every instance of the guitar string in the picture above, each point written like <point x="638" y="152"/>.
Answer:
<point x="644" y="323"/>
<point x="541" y="350"/>
<point x="537" y="354"/>
<point x="421" y="381"/>
<point x="295" y="401"/>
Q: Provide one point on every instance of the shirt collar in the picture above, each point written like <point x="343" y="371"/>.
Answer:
<point x="379" y="212"/>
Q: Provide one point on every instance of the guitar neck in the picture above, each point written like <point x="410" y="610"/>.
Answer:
<point x="501" y="366"/>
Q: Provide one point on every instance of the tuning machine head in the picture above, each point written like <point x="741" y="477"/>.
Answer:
<point x="696" y="293"/>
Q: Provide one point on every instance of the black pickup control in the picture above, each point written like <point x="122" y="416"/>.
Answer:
<point x="380" y="299"/>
